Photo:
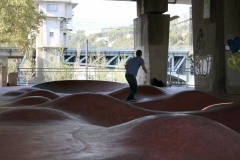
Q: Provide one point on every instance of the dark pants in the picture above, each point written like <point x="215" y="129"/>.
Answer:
<point x="132" y="81"/>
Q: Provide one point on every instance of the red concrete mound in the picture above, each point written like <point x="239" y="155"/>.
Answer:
<point x="27" y="101"/>
<point x="44" y="93"/>
<point x="77" y="86"/>
<point x="31" y="115"/>
<point x="53" y="129"/>
<point x="97" y="109"/>
<point x="227" y="115"/>
<point x="27" y="89"/>
<point x="165" y="137"/>
<point x="144" y="93"/>
<point x="14" y="93"/>
<point x="183" y="101"/>
<point x="17" y="92"/>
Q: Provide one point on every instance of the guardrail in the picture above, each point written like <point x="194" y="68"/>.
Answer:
<point x="28" y="76"/>
<point x="180" y="76"/>
<point x="39" y="75"/>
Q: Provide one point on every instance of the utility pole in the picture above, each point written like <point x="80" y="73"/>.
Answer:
<point x="86" y="60"/>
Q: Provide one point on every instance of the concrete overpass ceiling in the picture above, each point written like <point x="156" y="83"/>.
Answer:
<point x="169" y="1"/>
<point x="180" y="1"/>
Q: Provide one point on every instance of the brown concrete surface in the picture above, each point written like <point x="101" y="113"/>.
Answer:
<point x="72" y="86"/>
<point x="27" y="101"/>
<point x="144" y="93"/>
<point x="97" y="109"/>
<point x="80" y="123"/>
<point x="227" y="114"/>
<point x="183" y="101"/>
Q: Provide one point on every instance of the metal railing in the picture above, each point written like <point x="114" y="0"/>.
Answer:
<point x="39" y="75"/>
<point x="179" y="77"/>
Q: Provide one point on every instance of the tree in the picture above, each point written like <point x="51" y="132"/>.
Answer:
<point x="18" y="20"/>
<point x="179" y="35"/>
<point x="76" y="38"/>
<point x="108" y="38"/>
<point x="54" y="60"/>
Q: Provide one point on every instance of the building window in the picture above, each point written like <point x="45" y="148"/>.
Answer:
<point x="52" y="7"/>
<point x="51" y="34"/>
<point x="65" y="38"/>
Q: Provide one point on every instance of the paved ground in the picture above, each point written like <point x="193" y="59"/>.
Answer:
<point x="91" y="120"/>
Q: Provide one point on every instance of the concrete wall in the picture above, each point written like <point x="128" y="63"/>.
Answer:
<point x="59" y="12"/>
<point x="52" y="26"/>
<point x="3" y="71"/>
<point x="151" y="36"/>
<point x="232" y="45"/>
<point x="154" y="6"/>
<point x="209" y="58"/>
<point x="214" y="26"/>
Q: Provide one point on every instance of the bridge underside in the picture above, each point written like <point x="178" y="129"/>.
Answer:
<point x="169" y="1"/>
<point x="11" y="52"/>
<point x="112" y="58"/>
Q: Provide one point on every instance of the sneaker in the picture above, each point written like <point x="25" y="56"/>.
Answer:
<point x="132" y="100"/>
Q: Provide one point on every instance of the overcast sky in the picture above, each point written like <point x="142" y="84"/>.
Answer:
<point x="95" y="14"/>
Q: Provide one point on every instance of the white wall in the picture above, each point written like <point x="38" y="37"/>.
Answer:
<point x="69" y="12"/>
<point x="58" y="14"/>
<point x="63" y="9"/>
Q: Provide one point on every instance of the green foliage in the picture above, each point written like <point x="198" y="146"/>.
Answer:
<point x="179" y="35"/>
<point x="123" y="37"/>
<point x="77" y="38"/>
<point x="53" y="61"/>
<point x="18" y="20"/>
<point x="100" y="62"/>
<point x="119" y="74"/>
<point x="12" y="65"/>
<point x="110" y="38"/>
<point x="29" y="72"/>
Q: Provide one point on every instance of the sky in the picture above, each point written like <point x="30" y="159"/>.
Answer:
<point x="97" y="14"/>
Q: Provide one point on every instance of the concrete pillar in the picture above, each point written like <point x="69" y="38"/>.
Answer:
<point x="12" y="79"/>
<point x="216" y="25"/>
<point x="151" y="36"/>
<point x="3" y="71"/>
<point x="40" y="55"/>
<point x="151" y="6"/>
<point x="232" y="45"/>
<point x="39" y="60"/>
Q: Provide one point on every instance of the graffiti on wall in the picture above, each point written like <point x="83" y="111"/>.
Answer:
<point x="233" y="45"/>
<point x="203" y="65"/>
<point x="233" y="60"/>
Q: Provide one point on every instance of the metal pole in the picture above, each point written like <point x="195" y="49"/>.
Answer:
<point x="178" y="76"/>
<point x="170" y="77"/>
<point x="187" y="73"/>
<point x="87" y="60"/>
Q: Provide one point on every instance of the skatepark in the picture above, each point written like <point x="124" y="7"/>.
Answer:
<point x="89" y="120"/>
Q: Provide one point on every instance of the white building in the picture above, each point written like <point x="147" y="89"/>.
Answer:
<point x="54" y="30"/>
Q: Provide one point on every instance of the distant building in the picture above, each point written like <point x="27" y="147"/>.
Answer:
<point x="53" y="33"/>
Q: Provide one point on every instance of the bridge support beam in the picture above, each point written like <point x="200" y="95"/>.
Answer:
<point x="151" y="36"/>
